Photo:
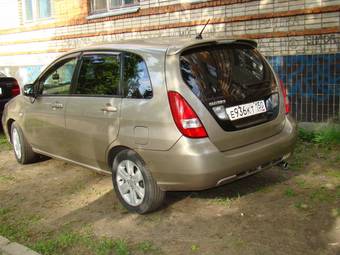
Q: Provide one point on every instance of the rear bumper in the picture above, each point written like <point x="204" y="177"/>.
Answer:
<point x="196" y="164"/>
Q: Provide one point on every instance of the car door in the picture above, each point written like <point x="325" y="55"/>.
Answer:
<point x="92" y="112"/>
<point x="44" y="120"/>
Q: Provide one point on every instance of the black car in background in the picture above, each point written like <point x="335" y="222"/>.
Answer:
<point x="9" y="88"/>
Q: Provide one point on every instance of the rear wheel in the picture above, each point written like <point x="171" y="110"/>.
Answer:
<point x="134" y="185"/>
<point x="22" y="149"/>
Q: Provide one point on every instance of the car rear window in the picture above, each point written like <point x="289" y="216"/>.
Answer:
<point x="235" y="73"/>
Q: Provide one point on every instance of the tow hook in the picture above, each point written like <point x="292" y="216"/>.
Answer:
<point x="284" y="165"/>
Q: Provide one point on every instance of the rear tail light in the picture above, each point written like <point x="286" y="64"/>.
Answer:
<point x="15" y="90"/>
<point x="185" y="118"/>
<point x="285" y="97"/>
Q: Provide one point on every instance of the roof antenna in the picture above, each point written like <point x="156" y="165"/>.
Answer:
<point x="199" y="36"/>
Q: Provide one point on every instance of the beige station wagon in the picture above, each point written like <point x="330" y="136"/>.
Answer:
<point x="160" y="115"/>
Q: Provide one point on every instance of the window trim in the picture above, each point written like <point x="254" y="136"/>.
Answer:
<point x="123" y="9"/>
<point x="35" y="17"/>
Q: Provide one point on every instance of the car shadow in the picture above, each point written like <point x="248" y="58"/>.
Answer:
<point x="251" y="184"/>
<point x="107" y="207"/>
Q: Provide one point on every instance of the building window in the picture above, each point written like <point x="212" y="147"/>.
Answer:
<point x="100" y="6"/>
<point x="36" y="9"/>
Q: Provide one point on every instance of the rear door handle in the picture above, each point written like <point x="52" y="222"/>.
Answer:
<point x="57" y="105"/>
<point x="109" y="108"/>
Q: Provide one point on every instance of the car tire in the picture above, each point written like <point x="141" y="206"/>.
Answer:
<point x="134" y="185"/>
<point x="22" y="149"/>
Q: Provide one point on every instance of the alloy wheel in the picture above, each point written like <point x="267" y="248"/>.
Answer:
<point x="16" y="142"/>
<point x="130" y="182"/>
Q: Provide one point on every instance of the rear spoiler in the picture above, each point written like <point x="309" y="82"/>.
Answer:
<point x="173" y="50"/>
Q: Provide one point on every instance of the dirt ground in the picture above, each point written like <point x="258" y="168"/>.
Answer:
<point x="274" y="212"/>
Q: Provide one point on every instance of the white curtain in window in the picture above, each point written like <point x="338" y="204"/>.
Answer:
<point x="99" y="5"/>
<point x="44" y="8"/>
<point x="28" y="9"/>
<point x="115" y="3"/>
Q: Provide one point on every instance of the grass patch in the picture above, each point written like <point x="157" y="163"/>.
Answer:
<point x="327" y="135"/>
<point x="16" y="230"/>
<point x="337" y="190"/>
<point x="195" y="248"/>
<point x="224" y="201"/>
<point x="4" y="144"/>
<point x="301" y="183"/>
<point x="289" y="192"/>
<point x="333" y="173"/>
<point x="6" y="178"/>
<point x="56" y="245"/>
<point x="65" y="241"/>
<point x="300" y="156"/>
<point x="147" y="247"/>
<point x="4" y="211"/>
<point x="121" y="248"/>
<point x="321" y="195"/>
<point x="62" y="242"/>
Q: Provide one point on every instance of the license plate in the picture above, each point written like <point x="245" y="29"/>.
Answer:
<point x="246" y="110"/>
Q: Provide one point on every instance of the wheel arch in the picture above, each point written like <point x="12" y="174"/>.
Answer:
<point x="113" y="152"/>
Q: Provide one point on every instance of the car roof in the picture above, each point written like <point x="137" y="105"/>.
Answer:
<point x="170" y="46"/>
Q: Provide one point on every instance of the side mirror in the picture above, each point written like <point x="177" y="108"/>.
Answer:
<point x="55" y="77"/>
<point x="29" y="90"/>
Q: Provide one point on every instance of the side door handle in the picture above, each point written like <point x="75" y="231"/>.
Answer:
<point x="109" y="108"/>
<point x="57" y="105"/>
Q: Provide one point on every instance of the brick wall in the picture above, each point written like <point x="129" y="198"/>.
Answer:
<point x="301" y="38"/>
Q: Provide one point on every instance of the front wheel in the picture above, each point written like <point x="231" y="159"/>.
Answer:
<point x="134" y="185"/>
<point x="22" y="149"/>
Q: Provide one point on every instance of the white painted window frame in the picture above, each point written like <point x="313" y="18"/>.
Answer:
<point x="122" y="9"/>
<point x="34" y="12"/>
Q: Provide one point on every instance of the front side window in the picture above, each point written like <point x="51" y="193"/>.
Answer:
<point x="136" y="80"/>
<point x="36" y="9"/>
<point x="99" y="75"/>
<point x="58" y="80"/>
<point x="98" y="6"/>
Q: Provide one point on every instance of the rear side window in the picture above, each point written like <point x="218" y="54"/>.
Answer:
<point x="136" y="80"/>
<point x="99" y="75"/>
<point x="234" y="73"/>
